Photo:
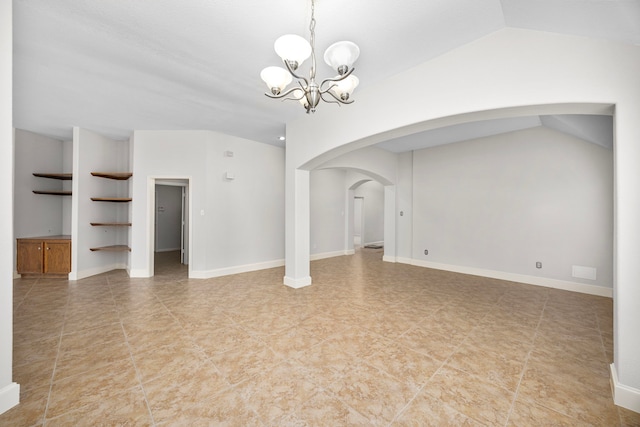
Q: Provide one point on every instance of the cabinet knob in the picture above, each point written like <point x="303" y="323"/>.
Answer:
<point x="48" y="248"/>
<point x="39" y="248"/>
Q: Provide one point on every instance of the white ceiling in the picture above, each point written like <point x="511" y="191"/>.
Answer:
<point x="114" y="66"/>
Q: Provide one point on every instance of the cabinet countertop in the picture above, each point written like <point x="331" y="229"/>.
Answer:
<point x="58" y="237"/>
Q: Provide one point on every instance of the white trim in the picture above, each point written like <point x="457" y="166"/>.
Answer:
<point x="139" y="273"/>
<point x="168" y="250"/>
<point x="297" y="283"/>
<point x="513" y="277"/>
<point x="16" y="275"/>
<point x="78" y="275"/>
<point x="207" y="274"/>
<point x="323" y="255"/>
<point x="9" y="397"/>
<point x="625" y="396"/>
<point x="389" y="258"/>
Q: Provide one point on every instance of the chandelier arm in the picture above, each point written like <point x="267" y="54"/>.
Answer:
<point x="293" y="73"/>
<point x="340" y="101"/>
<point x="284" y="94"/>
<point x="336" y="79"/>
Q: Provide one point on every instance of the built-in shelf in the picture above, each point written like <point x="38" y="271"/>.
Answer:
<point x="120" y="176"/>
<point x="53" y="193"/>
<point x="61" y="176"/>
<point x="111" y="199"/>
<point x="112" y="248"/>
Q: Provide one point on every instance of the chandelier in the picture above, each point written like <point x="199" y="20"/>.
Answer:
<point x="294" y="50"/>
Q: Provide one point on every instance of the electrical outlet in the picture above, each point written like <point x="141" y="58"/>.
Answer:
<point x="538" y="264"/>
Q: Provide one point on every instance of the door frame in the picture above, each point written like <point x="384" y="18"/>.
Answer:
<point x="181" y="181"/>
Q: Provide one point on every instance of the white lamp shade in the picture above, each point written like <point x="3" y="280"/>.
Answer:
<point x="300" y="96"/>
<point x="341" y="54"/>
<point x="345" y="86"/>
<point x="292" y="48"/>
<point x="276" y="77"/>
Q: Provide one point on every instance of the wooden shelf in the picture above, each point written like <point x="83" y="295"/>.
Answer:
<point x="53" y="193"/>
<point x="111" y="199"/>
<point x="120" y="176"/>
<point x="111" y="224"/>
<point x="112" y="248"/>
<point x="61" y="176"/>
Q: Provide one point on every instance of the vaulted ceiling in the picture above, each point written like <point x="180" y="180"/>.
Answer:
<point x="114" y="66"/>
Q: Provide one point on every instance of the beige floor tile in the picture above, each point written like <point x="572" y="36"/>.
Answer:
<point x="529" y="414"/>
<point x="470" y="395"/>
<point x="440" y="347"/>
<point x="404" y="364"/>
<point x="126" y="409"/>
<point x="501" y="368"/>
<point x="30" y="411"/>
<point x="85" y="389"/>
<point x="426" y="410"/>
<point x="322" y="409"/>
<point x="281" y="390"/>
<point x="369" y="343"/>
<point x="373" y="393"/>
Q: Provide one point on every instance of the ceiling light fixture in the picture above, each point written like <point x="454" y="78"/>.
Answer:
<point x="294" y="50"/>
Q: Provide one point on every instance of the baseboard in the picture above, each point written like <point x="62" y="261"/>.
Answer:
<point x="16" y="275"/>
<point x="389" y="258"/>
<point x="168" y="250"/>
<point x="208" y="274"/>
<point x="513" y="277"/>
<point x="350" y="252"/>
<point x="78" y="275"/>
<point x="297" y="283"/>
<point x="9" y="397"/>
<point x="380" y="242"/>
<point x="139" y="273"/>
<point x="625" y="396"/>
<point x="315" y="257"/>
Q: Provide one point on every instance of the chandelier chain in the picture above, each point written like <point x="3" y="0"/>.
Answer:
<point x="312" y="30"/>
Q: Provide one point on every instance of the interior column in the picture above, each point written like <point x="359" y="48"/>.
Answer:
<point x="297" y="272"/>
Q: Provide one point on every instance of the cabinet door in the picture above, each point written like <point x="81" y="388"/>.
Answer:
<point x="29" y="256"/>
<point x="57" y="257"/>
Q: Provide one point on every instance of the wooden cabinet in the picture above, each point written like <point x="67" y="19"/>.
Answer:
<point x="47" y="255"/>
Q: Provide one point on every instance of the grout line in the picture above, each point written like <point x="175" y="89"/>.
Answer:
<point x="126" y="340"/>
<point x="55" y="363"/>
<point x="526" y="362"/>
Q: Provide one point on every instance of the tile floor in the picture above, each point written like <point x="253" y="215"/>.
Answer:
<point x="369" y="343"/>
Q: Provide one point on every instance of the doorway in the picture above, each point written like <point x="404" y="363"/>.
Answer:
<point x="171" y="227"/>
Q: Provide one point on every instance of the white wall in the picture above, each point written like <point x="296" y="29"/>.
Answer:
<point x="168" y="217"/>
<point x="505" y="202"/>
<point x="37" y="214"/>
<point x="96" y="153"/>
<point x="327" y="204"/>
<point x="237" y="225"/>
<point x="373" y="194"/>
<point x="404" y="210"/>
<point x="9" y="391"/>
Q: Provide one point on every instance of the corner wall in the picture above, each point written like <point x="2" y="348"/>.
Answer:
<point x="237" y="200"/>
<point x="9" y="390"/>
